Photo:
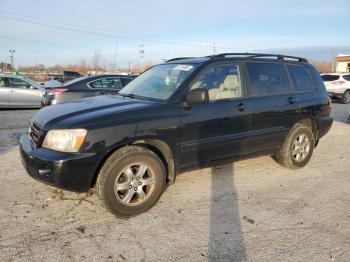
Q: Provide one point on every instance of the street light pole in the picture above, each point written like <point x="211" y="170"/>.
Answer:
<point x="142" y="52"/>
<point x="12" y="51"/>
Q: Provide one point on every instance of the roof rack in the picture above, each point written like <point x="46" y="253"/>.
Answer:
<point x="178" y="58"/>
<point x="258" y="55"/>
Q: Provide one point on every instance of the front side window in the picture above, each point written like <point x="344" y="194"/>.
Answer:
<point x="329" y="78"/>
<point x="221" y="81"/>
<point x="106" y="83"/>
<point x="301" y="78"/>
<point x="18" y="83"/>
<point x="267" y="79"/>
<point x="159" y="82"/>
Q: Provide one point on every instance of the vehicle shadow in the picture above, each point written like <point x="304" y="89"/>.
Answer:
<point x="340" y="112"/>
<point x="226" y="242"/>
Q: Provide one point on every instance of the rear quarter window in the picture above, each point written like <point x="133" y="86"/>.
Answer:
<point x="301" y="79"/>
<point x="267" y="79"/>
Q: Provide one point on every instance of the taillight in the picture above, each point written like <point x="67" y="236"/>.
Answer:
<point x="56" y="91"/>
<point x="338" y="83"/>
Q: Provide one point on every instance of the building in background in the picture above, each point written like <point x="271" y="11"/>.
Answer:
<point x="343" y="63"/>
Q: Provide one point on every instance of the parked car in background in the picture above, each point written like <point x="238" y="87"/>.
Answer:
<point x="338" y="85"/>
<point x="180" y="115"/>
<point x="65" y="76"/>
<point x="86" y="87"/>
<point x="18" y="91"/>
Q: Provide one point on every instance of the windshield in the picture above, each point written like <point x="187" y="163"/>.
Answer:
<point x="159" y="82"/>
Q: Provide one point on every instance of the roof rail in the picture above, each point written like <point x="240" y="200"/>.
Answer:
<point x="257" y="55"/>
<point x="177" y="58"/>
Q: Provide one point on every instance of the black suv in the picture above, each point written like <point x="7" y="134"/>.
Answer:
<point x="184" y="114"/>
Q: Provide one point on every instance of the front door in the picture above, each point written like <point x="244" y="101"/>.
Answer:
<point x="4" y="93"/>
<point x="23" y="93"/>
<point x="218" y="129"/>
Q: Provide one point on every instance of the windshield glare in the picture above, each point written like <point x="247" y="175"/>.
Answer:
<point x="159" y="82"/>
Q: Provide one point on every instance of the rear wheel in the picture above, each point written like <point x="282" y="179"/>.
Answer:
<point x="131" y="181"/>
<point x="346" y="97"/>
<point x="297" y="148"/>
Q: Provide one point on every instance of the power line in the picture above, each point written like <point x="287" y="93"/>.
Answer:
<point x="24" y="20"/>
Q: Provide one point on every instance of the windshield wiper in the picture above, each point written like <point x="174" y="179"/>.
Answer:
<point x="132" y="96"/>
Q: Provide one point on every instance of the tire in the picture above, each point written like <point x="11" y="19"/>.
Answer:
<point x="126" y="173"/>
<point x="288" y="154"/>
<point x="346" y="97"/>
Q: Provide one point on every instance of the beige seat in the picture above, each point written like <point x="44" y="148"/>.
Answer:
<point x="2" y="83"/>
<point x="230" y="88"/>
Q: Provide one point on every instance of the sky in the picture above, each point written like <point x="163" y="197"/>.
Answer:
<point x="65" y="32"/>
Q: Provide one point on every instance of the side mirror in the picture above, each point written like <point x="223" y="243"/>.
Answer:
<point x="197" y="96"/>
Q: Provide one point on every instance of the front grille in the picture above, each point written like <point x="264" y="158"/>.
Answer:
<point x="35" y="133"/>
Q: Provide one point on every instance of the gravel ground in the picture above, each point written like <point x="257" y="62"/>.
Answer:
<point x="251" y="210"/>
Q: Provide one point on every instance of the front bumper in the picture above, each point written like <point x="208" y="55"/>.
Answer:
<point x="70" y="171"/>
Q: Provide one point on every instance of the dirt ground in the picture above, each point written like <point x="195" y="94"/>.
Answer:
<point x="252" y="210"/>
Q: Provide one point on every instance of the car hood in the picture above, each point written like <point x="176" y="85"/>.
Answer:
<point x="84" y="112"/>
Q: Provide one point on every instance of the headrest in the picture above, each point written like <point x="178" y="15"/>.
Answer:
<point x="230" y="83"/>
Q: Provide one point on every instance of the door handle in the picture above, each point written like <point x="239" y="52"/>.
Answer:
<point x="291" y="100"/>
<point x="101" y="93"/>
<point x="241" y="107"/>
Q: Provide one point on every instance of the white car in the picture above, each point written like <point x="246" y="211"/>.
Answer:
<point x="338" y="85"/>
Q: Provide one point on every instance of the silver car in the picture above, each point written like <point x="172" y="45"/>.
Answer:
<point x="19" y="91"/>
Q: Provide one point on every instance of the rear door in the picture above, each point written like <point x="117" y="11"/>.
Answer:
<point x="304" y="89"/>
<point x="4" y="92"/>
<point x="274" y="107"/>
<point x="218" y="129"/>
<point x="23" y="93"/>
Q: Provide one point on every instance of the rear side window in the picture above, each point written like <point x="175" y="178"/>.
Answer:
<point x="301" y="78"/>
<point x="328" y="78"/>
<point x="267" y="79"/>
<point x="107" y="83"/>
<point x="347" y="77"/>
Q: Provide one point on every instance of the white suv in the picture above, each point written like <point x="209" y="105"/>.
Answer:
<point x="338" y="85"/>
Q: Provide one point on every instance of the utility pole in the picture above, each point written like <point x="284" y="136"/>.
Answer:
<point x="12" y="51"/>
<point x="129" y="67"/>
<point x="142" y="52"/>
<point x="214" y="48"/>
<point x="115" y="56"/>
<point x="334" y="57"/>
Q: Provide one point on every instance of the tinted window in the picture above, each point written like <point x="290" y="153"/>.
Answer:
<point x="347" y="77"/>
<point x="18" y="83"/>
<point x="300" y="78"/>
<point x="221" y="81"/>
<point x="107" y="83"/>
<point x="267" y="79"/>
<point x="330" y="77"/>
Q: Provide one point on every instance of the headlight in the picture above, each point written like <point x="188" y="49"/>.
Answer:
<point x="65" y="140"/>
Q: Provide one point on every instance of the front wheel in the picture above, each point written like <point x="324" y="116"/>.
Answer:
<point x="297" y="148"/>
<point x="131" y="181"/>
